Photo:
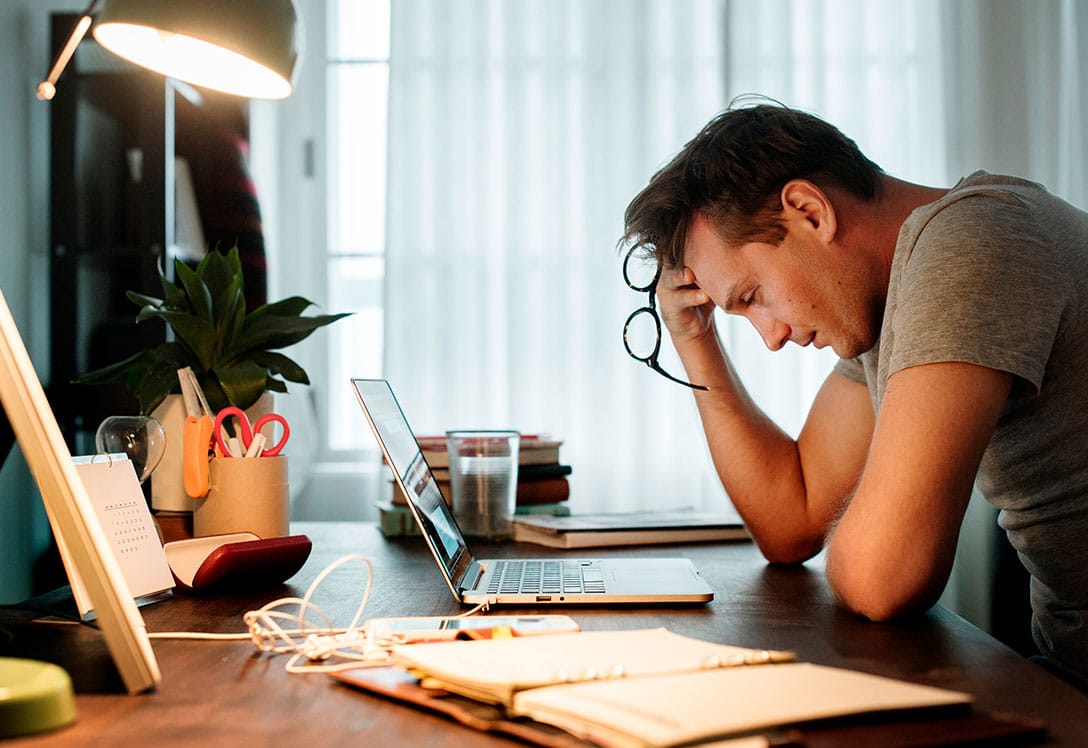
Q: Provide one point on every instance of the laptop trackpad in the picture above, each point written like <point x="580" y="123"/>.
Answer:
<point x="649" y="575"/>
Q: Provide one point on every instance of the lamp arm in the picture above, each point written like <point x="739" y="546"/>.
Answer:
<point x="47" y="89"/>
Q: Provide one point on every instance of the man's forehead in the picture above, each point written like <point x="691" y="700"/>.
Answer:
<point x="705" y="239"/>
<point x="700" y="230"/>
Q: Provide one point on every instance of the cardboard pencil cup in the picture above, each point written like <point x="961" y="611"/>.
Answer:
<point x="245" y="495"/>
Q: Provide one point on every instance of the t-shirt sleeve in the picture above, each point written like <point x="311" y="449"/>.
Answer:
<point x="979" y="287"/>
<point x="852" y="369"/>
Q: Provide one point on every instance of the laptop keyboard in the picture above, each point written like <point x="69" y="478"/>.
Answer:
<point x="545" y="577"/>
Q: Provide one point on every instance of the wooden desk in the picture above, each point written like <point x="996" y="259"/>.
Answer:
<point x="227" y="693"/>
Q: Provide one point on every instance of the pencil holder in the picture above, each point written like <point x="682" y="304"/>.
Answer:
<point x="245" y="495"/>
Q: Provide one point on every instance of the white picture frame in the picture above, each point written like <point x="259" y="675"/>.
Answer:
<point x="70" y="512"/>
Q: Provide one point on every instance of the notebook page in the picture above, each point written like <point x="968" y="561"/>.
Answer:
<point x="679" y="708"/>
<point x="493" y="670"/>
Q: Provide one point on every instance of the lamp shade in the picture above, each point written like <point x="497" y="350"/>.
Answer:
<point x="243" y="47"/>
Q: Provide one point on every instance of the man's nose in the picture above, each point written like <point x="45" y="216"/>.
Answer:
<point x="775" y="334"/>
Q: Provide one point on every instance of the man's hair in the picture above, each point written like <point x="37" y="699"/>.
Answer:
<point x="734" y="170"/>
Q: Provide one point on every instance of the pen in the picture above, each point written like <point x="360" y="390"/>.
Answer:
<point x="256" y="446"/>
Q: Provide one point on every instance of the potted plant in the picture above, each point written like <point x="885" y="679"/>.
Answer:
<point x="232" y="351"/>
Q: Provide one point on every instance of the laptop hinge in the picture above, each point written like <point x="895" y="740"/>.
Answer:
<point x="472" y="575"/>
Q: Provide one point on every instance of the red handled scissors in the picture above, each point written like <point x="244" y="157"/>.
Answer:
<point x="248" y="433"/>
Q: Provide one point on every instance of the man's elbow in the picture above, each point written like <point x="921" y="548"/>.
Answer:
<point x="880" y="595"/>
<point x="792" y="550"/>
<point x="877" y="605"/>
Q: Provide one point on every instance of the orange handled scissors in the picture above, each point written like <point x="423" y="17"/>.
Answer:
<point x="197" y="444"/>
<point x="248" y="432"/>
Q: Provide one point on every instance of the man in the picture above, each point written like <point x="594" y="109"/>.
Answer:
<point x="961" y="320"/>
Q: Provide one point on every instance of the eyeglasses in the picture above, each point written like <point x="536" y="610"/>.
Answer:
<point x="642" y="330"/>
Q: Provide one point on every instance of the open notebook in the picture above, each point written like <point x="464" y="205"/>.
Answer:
<point x="654" y="687"/>
<point x="532" y="581"/>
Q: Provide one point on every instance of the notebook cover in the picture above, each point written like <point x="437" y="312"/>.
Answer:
<point x="399" y="685"/>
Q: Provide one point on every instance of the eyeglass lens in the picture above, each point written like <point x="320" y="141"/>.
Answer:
<point x="641" y="335"/>
<point x="640" y="273"/>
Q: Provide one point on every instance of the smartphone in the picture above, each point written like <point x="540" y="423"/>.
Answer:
<point x="427" y="628"/>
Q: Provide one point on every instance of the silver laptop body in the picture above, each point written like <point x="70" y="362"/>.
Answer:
<point x="515" y="581"/>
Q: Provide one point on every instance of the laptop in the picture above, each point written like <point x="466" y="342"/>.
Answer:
<point x="517" y="581"/>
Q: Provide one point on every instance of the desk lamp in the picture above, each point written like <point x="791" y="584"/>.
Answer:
<point x="243" y="47"/>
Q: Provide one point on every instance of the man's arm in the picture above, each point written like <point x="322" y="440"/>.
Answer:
<point x="892" y="550"/>
<point x="787" y="491"/>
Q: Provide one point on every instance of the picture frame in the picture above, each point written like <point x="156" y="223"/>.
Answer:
<point x="71" y="515"/>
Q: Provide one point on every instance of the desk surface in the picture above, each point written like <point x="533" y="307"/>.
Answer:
<point x="227" y="693"/>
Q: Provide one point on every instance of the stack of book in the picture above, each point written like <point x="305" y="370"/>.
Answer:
<point x="543" y="482"/>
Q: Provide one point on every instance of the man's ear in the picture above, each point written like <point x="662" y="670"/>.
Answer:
<point x="803" y="201"/>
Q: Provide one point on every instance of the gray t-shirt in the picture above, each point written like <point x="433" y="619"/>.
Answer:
<point x="995" y="273"/>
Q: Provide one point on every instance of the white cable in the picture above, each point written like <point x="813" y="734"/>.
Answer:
<point x="315" y="643"/>
<point x="335" y="648"/>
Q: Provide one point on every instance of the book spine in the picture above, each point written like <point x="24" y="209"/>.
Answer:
<point x="558" y="509"/>
<point x="543" y="491"/>
<point x="526" y="473"/>
<point x="588" y="539"/>
<point x="396" y="521"/>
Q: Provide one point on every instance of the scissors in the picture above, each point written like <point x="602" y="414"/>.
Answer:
<point x="252" y="440"/>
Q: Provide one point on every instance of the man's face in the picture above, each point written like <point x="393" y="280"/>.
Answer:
<point x="804" y="290"/>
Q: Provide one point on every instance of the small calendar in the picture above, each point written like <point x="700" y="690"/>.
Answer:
<point x="118" y="501"/>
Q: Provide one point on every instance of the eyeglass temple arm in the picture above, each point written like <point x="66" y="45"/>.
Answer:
<point x="669" y="376"/>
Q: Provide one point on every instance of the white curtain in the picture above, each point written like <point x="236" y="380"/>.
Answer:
<point x="518" y="133"/>
<point x="872" y="69"/>
<point x="1017" y="103"/>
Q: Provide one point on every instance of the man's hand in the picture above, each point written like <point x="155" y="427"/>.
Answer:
<point x="685" y="309"/>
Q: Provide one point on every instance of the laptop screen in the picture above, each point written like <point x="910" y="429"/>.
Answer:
<point x="406" y="460"/>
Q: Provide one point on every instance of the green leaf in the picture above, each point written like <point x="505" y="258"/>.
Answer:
<point x="290" y="307"/>
<point x="197" y="334"/>
<point x="230" y="310"/>
<point x="219" y="270"/>
<point x="159" y="377"/>
<point x="114" y="372"/>
<point x="213" y="391"/>
<point x="275" y="385"/>
<point x="277" y="363"/>
<point x="200" y="299"/>
<point x="141" y="300"/>
<point x="243" y="383"/>
<point x="272" y="332"/>
<point x="172" y="296"/>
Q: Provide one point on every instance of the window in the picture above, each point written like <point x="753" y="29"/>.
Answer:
<point x="357" y="80"/>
